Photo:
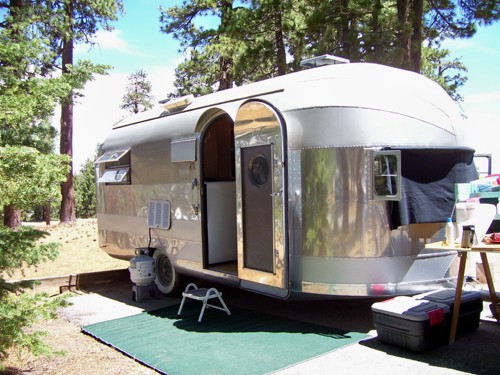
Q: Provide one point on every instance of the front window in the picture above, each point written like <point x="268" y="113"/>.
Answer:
<point x="387" y="175"/>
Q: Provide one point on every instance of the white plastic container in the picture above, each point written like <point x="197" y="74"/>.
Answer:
<point x="480" y="215"/>
<point x="450" y="232"/>
<point x="473" y="213"/>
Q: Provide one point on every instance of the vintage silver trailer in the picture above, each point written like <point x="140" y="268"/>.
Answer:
<point x="324" y="182"/>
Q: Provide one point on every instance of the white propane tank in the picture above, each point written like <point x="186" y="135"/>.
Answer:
<point x="142" y="268"/>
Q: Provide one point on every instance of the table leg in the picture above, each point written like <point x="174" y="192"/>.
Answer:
<point x="458" y="296"/>
<point x="491" y="286"/>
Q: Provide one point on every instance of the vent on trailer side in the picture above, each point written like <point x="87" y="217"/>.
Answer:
<point x="159" y="214"/>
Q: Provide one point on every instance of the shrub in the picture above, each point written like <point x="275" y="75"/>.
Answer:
<point x="19" y="310"/>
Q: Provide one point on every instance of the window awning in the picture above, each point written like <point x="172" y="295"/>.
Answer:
<point x="111" y="156"/>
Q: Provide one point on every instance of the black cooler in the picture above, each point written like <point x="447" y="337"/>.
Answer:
<point x="410" y="323"/>
<point x="470" y="307"/>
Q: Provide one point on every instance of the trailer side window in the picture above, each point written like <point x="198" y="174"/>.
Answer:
<point x="116" y="167"/>
<point x="387" y="175"/>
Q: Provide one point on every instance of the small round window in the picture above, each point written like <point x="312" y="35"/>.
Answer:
<point x="259" y="170"/>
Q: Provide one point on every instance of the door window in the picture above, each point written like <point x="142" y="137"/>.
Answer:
<point x="259" y="170"/>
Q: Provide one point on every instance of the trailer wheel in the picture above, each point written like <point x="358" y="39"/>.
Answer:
<point x="168" y="280"/>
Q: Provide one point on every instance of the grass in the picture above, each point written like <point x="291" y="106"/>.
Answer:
<point x="79" y="252"/>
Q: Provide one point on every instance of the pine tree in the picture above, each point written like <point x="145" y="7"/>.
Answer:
<point x="85" y="191"/>
<point x="138" y="97"/>
<point x="66" y="23"/>
<point x="213" y="48"/>
<point x="266" y="38"/>
<point x="448" y="73"/>
<point x="27" y="98"/>
<point x="27" y="177"/>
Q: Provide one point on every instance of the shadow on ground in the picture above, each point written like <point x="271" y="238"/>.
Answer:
<point x="476" y="352"/>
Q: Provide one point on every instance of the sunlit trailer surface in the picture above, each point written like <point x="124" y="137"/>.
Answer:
<point x="321" y="183"/>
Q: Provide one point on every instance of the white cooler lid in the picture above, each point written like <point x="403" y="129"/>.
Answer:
<point x="412" y="309"/>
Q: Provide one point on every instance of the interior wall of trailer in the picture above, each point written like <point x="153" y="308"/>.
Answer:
<point x="219" y="193"/>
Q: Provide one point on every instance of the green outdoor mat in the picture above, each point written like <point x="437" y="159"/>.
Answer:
<point x="246" y="342"/>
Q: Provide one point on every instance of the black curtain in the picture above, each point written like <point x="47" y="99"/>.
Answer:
<point x="428" y="178"/>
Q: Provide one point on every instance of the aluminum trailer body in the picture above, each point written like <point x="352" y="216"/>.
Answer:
<point x="325" y="182"/>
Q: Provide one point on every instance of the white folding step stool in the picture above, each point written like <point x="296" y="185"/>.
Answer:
<point x="202" y="294"/>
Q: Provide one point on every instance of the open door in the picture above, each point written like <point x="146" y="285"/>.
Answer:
<point x="260" y="199"/>
<point x="219" y="195"/>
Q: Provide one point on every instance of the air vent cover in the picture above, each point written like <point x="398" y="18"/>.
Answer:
<point x="323" y="60"/>
<point x="159" y="214"/>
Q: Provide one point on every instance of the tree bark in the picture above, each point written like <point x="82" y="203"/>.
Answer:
<point x="374" y="52"/>
<point x="410" y="13"/>
<point x="226" y="62"/>
<point x="345" y="29"/>
<point x="417" y="10"/>
<point x="12" y="217"/>
<point x="46" y="213"/>
<point x="67" y="214"/>
<point x="404" y="33"/>
<point x="279" y="42"/>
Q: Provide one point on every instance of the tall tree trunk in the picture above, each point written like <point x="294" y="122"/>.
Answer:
<point x="136" y="101"/>
<point x="12" y="217"/>
<point x="278" y="39"/>
<point x="410" y="13"/>
<point x="67" y="214"/>
<point x="404" y="36"/>
<point x="374" y="52"/>
<point x="226" y="62"/>
<point x="46" y="213"/>
<point x="344" y="29"/>
<point x="226" y="79"/>
<point x="417" y="11"/>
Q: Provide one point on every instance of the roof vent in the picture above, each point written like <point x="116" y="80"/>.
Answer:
<point x="323" y="60"/>
<point x="177" y="104"/>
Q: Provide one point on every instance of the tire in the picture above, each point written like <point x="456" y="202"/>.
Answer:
<point x="167" y="279"/>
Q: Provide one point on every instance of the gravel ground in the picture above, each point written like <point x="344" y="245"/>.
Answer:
<point x="472" y="353"/>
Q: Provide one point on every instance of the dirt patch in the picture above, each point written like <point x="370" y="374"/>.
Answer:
<point x="79" y="253"/>
<point x="83" y="355"/>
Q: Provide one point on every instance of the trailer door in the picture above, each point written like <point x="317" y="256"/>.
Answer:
<point x="260" y="180"/>
<point x="257" y="208"/>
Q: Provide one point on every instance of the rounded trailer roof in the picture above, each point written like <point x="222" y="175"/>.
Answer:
<point x="355" y="85"/>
